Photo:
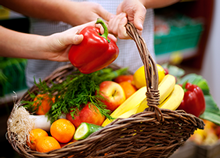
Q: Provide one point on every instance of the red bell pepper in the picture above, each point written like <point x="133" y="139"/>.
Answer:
<point x="193" y="101"/>
<point x="95" y="52"/>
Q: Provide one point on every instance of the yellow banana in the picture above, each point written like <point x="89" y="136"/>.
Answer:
<point x="129" y="113"/>
<point x="133" y="101"/>
<point x="165" y="88"/>
<point x="172" y="102"/>
<point x="174" y="99"/>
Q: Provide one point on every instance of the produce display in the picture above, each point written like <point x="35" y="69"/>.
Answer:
<point x="12" y="75"/>
<point x="95" y="100"/>
<point x="99" y="98"/>
<point x="77" y="108"/>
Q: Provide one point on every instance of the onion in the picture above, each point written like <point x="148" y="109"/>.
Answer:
<point x="41" y="121"/>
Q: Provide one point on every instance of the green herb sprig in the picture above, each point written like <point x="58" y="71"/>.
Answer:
<point x="75" y="92"/>
<point x="79" y="91"/>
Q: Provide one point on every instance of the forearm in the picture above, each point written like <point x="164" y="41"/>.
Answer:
<point x="20" y="45"/>
<point x="157" y="3"/>
<point x="57" y="10"/>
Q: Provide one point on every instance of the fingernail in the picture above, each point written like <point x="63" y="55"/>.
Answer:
<point x="124" y="20"/>
<point x="78" y="38"/>
<point x="140" y="26"/>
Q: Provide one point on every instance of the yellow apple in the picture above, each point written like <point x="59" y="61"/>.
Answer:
<point x="113" y="94"/>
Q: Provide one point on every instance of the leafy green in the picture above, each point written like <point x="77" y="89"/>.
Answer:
<point x="75" y="91"/>
<point x="79" y="91"/>
<point x="174" y="70"/>
<point x="211" y="106"/>
<point x="213" y="117"/>
<point x="197" y="80"/>
<point x="3" y="78"/>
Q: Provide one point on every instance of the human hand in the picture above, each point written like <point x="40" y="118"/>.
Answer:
<point x="57" y="45"/>
<point x="84" y="12"/>
<point x="117" y="24"/>
<point x="135" y="11"/>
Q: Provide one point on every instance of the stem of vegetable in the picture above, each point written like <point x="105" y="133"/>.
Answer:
<point x="105" y="34"/>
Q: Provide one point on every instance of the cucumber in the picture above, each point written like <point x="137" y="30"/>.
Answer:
<point x="85" y="129"/>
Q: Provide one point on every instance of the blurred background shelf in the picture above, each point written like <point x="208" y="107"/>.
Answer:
<point x="198" y="9"/>
<point x="177" y="55"/>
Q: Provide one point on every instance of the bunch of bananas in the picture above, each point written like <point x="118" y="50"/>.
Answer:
<point x="171" y="95"/>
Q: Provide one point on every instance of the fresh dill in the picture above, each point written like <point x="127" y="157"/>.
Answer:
<point x="75" y="91"/>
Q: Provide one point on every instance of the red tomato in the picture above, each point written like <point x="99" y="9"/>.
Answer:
<point x="123" y="78"/>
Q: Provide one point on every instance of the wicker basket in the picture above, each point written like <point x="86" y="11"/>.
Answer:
<point x="154" y="133"/>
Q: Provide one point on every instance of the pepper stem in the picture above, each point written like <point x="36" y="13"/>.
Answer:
<point x="105" y="34"/>
<point x="184" y="86"/>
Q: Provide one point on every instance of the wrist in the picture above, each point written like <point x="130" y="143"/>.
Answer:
<point x="145" y="3"/>
<point x="71" y="12"/>
<point x="36" y="47"/>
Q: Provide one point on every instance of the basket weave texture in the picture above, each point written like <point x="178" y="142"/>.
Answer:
<point x="154" y="133"/>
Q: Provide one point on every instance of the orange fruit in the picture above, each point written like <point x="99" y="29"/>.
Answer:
<point x="46" y="144"/>
<point x="34" y="136"/>
<point x="62" y="130"/>
<point x="43" y="103"/>
<point x="128" y="88"/>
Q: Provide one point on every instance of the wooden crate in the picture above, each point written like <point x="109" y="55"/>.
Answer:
<point x="206" y="151"/>
<point x="188" y="150"/>
<point x="192" y="150"/>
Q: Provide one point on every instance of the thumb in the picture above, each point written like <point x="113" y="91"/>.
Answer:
<point x="77" y="39"/>
<point x="64" y="40"/>
<point x="139" y="18"/>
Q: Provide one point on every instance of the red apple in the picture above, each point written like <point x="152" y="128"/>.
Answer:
<point x="90" y="114"/>
<point x="113" y="94"/>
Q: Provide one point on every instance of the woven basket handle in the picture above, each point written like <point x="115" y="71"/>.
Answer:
<point x="150" y="68"/>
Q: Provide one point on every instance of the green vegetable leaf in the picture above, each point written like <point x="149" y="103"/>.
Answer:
<point x="211" y="106"/>
<point x="212" y="112"/>
<point x="204" y="86"/>
<point x="210" y="116"/>
<point x="196" y="80"/>
<point x="174" y="70"/>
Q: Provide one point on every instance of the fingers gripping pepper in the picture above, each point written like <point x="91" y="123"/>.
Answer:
<point x="95" y="52"/>
<point x="193" y="101"/>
